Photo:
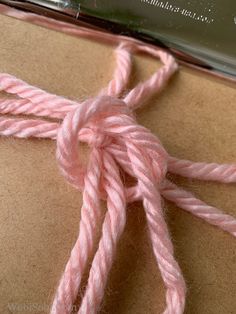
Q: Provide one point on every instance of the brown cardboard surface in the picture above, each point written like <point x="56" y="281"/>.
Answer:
<point x="195" y="118"/>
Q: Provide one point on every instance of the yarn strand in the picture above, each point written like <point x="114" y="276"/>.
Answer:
<point x="225" y="173"/>
<point x="90" y="214"/>
<point x="190" y="203"/>
<point x="112" y="229"/>
<point x="162" y="246"/>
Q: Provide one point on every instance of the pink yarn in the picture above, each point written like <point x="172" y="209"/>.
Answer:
<point x="108" y="125"/>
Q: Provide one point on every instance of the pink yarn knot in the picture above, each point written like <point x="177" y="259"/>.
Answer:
<point x="107" y="124"/>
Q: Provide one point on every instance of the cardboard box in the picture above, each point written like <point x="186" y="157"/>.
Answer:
<point x="195" y="118"/>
